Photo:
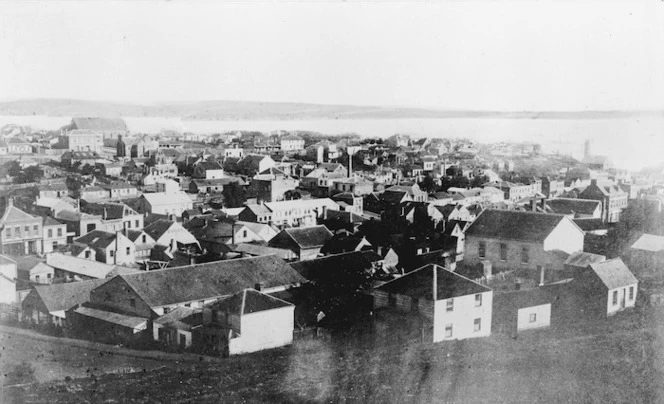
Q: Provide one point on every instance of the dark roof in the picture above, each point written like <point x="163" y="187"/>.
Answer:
<point x="329" y="166"/>
<point x="613" y="273"/>
<point x="590" y="224"/>
<point x="204" y="281"/>
<point x="326" y="268"/>
<point x="64" y="296"/>
<point x="514" y="225"/>
<point x="106" y="210"/>
<point x="583" y="259"/>
<point x="157" y="228"/>
<point x="308" y="237"/>
<point x="342" y="243"/>
<point x="249" y="301"/>
<point x="97" y="239"/>
<point x="520" y="299"/>
<point x="420" y="282"/>
<point x="392" y="197"/>
<point x="566" y="206"/>
<point x="209" y="165"/>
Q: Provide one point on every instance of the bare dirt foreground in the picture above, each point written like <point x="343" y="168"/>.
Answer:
<point x="614" y="362"/>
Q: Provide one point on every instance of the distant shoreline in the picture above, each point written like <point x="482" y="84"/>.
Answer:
<point x="284" y="111"/>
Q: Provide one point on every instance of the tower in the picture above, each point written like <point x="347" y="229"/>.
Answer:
<point x="586" y="148"/>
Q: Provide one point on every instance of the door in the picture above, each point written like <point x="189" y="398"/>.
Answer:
<point x="622" y="298"/>
<point x="183" y="341"/>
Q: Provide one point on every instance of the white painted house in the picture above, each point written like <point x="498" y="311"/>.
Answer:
<point x="609" y="286"/>
<point x="7" y="280"/>
<point x="252" y="321"/>
<point x="453" y="307"/>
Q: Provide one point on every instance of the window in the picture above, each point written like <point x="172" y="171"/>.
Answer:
<point x="48" y="276"/>
<point x="17" y="230"/>
<point x="55" y="245"/>
<point x="144" y="238"/>
<point x="137" y="224"/>
<point x="60" y="232"/>
<point x="525" y="255"/>
<point x="9" y="232"/>
<point x="35" y="228"/>
<point x="482" y="250"/>
<point x="631" y="293"/>
<point x="26" y="229"/>
<point x="87" y="254"/>
<point x="503" y="252"/>
<point x="532" y="318"/>
<point x="112" y="253"/>
<point x="128" y="251"/>
<point x="166" y="310"/>
<point x="448" y="330"/>
<point x="132" y="302"/>
<point x="615" y="297"/>
<point x="478" y="300"/>
<point x="449" y="305"/>
<point x="244" y="233"/>
<point x="50" y="233"/>
<point x="477" y="324"/>
<point x="37" y="278"/>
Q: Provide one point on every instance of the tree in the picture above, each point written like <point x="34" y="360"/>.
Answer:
<point x="234" y="195"/>
<point x="14" y="169"/>
<point x="428" y="184"/>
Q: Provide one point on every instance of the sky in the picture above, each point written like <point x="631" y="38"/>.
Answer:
<point x="479" y="55"/>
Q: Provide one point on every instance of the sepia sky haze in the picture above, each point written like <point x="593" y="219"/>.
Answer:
<point x="478" y="55"/>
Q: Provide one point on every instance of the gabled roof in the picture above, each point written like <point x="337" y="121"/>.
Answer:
<point x="97" y="239"/>
<point x="14" y="214"/>
<point x="308" y="237"/>
<point x="64" y="296"/>
<point x="49" y="221"/>
<point x="107" y="210"/>
<point x="329" y="167"/>
<point x="420" y="284"/>
<point x="213" y="279"/>
<point x="583" y="259"/>
<point x="113" y="318"/>
<point x="82" y="266"/>
<point x="520" y="299"/>
<point x="209" y="165"/>
<point x="514" y="225"/>
<point x="259" y="250"/>
<point x="613" y="273"/>
<point x="332" y="266"/>
<point x="183" y="318"/>
<point x="649" y="242"/>
<point x="158" y="228"/>
<point x="249" y="301"/>
<point x="566" y="206"/>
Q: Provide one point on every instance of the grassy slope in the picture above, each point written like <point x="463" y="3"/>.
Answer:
<point x="621" y="362"/>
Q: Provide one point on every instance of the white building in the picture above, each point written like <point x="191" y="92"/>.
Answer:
<point x="451" y="306"/>
<point x="7" y="280"/>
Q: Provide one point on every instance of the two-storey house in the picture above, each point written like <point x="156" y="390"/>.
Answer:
<point x="450" y="305"/>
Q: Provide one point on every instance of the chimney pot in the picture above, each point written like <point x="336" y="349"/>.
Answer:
<point x="259" y="286"/>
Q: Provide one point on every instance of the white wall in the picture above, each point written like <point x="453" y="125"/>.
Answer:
<point x="462" y="317"/>
<point x="542" y="317"/>
<point x="7" y="287"/>
<point x="565" y="237"/>
<point x="623" y="293"/>
<point x="264" y="330"/>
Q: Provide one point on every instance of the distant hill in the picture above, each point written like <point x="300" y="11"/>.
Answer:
<point x="245" y="110"/>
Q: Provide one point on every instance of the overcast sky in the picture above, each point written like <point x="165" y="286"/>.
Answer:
<point x="478" y="55"/>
